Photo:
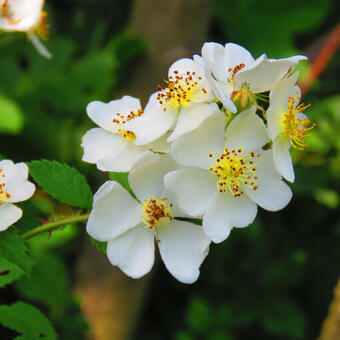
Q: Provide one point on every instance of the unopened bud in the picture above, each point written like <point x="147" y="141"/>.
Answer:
<point x="243" y="98"/>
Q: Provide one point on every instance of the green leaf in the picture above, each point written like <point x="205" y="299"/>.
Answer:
<point x="48" y="282"/>
<point x="28" y="337"/>
<point x="283" y="317"/>
<point x="63" y="182"/>
<point x="121" y="178"/>
<point x="28" y="320"/>
<point x="9" y="272"/>
<point x="101" y="246"/>
<point x="200" y="316"/>
<point x="11" y="116"/>
<point x="13" y="249"/>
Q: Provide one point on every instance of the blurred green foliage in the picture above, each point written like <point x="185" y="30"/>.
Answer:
<point x="270" y="26"/>
<point x="270" y="281"/>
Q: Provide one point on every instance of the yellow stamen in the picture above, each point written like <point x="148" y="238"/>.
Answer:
<point x="43" y="28"/>
<point x="234" y="70"/>
<point x="180" y="90"/>
<point x="156" y="212"/>
<point x="3" y="194"/>
<point x="233" y="169"/>
<point x="294" y="126"/>
<point x="121" y="119"/>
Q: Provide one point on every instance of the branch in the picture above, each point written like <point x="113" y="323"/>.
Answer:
<point x="46" y="227"/>
<point x="322" y="59"/>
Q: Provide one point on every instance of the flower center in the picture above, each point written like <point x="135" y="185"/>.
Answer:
<point x="157" y="212"/>
<point x="180" y="90"/>
<point x="3" y="194"/>
<point x="235" y="169"/>
<point x="295" y="125"/>
<point x="233" y="70"/>
<point x="121" y="119"/>
<point x="6" y="12"/>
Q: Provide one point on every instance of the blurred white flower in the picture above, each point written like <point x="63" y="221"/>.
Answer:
<point x="14" y="187"/>
<point x="26" y="16"/>
<point x="287" y="125"/>
<point x="236" y="77"/>
<point x="227" y="174"/>
<point x="181" y="106"/>
<point x="131" y="226"/>
<point x="111" y="147"/>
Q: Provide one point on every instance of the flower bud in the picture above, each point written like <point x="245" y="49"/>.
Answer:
<point x="243" y="98"/>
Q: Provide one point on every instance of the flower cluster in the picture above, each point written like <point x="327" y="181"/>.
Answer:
<point x="206" y="146"/>
<point x="26" y="16"/>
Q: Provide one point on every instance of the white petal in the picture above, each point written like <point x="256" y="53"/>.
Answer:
<point x="282" y="90"/>
<point x="98" y="144"/>
<point x="146" y="178"/>
<point x="160" y="144"/>
<point x="275" y="125"/>
<point x="13" y="173"/>
<point x="103" y="113"/>
<point x="264" y="73"/>
<point x="175" y="210"/>
<point x="20" y="171"/>
<point x="123" y="160"/>
<point x="110" y="151"/>
<point x="7" y="167"/>
<point x="272" y="193"/>
<point x="152" y="103"/>
<point x="223" y="91"/>
<point x="220" y="89"/>
<point x="114" y="212"/>
<point x="236" y="55"/>
<point x="213" y="54"/>
<point x="183" y="247"/>
<point x="193" y="148"/>
<point x="40" y="47"/>
<point x="282" y="159"/>
<point x="226" y="212"/>
<point x="193" y="189"/>
<point x="191" y="117"/>
<point x="133" y="251"/>
<point x="151" y="126"/>
<point x="183" y="65"/>
<point x="246" y="131"/>
<point x="9" y="214"/>
<point x="19" y="191"/>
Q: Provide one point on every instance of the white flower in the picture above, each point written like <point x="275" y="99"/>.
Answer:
<point x="14" y="187"/>
<point x="234" y="68"/>
<point x="179" y="107"/>
<point x="287" y="125"/>
<point x="131" y="226"/>
<point x="25" y="16"/>
<point x="110" y="147"/>
<point x="227" y="174"/>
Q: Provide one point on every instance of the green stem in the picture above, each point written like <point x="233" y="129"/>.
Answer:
<point x="54" y="225"/>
